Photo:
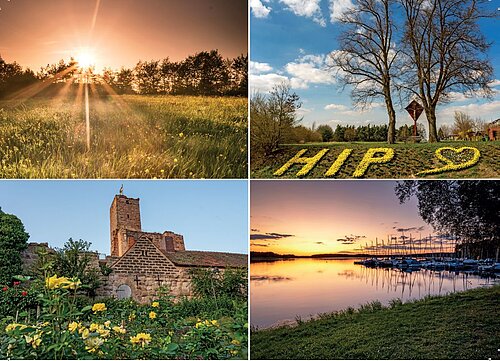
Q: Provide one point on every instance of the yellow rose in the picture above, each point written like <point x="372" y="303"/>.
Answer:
<point x="119" y="329"/>
<point x="73" y="326"/>
<point x="141" y="338"/>
<point x="99" y="307"/>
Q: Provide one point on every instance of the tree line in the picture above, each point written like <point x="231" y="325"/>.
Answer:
<point x="205" y="73"/>
<point x="275" y="121"/>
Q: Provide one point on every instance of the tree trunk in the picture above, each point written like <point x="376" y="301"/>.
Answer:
<point x="391" y="132"/>
<point x="431" y="118"/>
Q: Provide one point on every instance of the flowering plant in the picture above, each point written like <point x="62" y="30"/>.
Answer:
<point x="450" y="164"/>
<point x="369" y="158"/>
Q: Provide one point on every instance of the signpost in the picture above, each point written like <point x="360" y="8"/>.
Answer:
<point x="414" y="109"/>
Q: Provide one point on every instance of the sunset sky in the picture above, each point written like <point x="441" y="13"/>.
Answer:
<point x="291" y="40"/>
<point x="311" y="217"/>
<point x="119" y="32"/>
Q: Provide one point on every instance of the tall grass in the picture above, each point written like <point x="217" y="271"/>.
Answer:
<point x="131" y="137"/>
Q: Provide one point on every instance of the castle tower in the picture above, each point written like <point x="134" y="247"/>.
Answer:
<point x="124" y="215"/>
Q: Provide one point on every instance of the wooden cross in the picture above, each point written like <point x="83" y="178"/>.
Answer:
<point x="158" y="279"/>
<point x="136" y="280"/>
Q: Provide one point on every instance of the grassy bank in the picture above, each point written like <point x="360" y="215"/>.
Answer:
<point x="408" y="160"/>
<point x="132" y="136"/>
<point x="458" y="326"/>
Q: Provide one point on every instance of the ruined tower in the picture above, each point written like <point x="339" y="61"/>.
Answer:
<point x="124" y="216"/>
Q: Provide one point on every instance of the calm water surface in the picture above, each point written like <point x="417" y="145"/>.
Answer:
<point x="283" y="290"/>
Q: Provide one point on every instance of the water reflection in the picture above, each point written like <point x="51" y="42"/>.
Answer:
<point x="284" y="290"/>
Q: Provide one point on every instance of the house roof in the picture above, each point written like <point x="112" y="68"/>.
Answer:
<point x="207" y="259"/>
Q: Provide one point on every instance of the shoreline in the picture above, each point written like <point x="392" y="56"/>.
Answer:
<point x="421" y="329"/>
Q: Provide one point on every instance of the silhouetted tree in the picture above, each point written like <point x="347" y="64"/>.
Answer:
<point x="468" y="209"/>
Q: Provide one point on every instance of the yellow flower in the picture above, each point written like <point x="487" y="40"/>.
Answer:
<point x="181" y="134"/>
<point x="55" y="282"/>
<point x="175" y="160"/>
<point x="99" y="307"/>
<point x="34" y="341"/>
<point x="92" y="344"/>
<point x="119" y="329"/>
<point x="73" y="326"/>
<point x="369" y="158"/>
<point x="152" y="315"/>
<point x="103" y="332"/>
<point x="72" y="285"/>
<point x="155" y="304"/>
<point x="198" y="324"/>
<point x="85" y="333"/>
<point x="13" y="326"/>
<point x="235" y="342"/>
<point x="141" y="338"/>
<point x="93" y="327"/>
<point x="214" y="322"/>
<point x="107" y="323"/>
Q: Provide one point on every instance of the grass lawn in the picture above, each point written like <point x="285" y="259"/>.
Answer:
<point x="132" y="136"/>
<point x="409" y="159"/>
<point x="458" y="326"/>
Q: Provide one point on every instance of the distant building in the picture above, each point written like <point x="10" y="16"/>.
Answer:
<point x="494" y="130"/>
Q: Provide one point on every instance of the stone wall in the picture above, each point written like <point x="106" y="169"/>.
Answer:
<point x="144" y="269"/>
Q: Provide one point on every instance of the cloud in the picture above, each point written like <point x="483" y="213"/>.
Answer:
<point x="309" y="69"/>
<point x="336" y="107"/>
<point x="338" y="8"/>
<point x="488" y="110"/>
<point x="255" y="244"/>
<point x="259" y="10"/>
<point x="495" y="83"/>
<point x="265" y="82"/>
<point x="410" y="229"/>
<point x="350" y="239"/>
<point x="307" y="8"/>
<point x="259" y="68"/>
<point x="269" y="236"/>
<point x="304" y="71"/>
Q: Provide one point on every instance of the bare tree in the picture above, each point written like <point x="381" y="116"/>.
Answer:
<point x="366" y="59"/>
<point x="445" y="52"/>
<point x="463" y="124"/>
<point x="272" y="118"/>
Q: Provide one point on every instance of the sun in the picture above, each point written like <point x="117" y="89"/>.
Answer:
<point x="85" y="58"/>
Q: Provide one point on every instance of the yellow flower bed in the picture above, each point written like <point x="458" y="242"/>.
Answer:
<point x="450" y="164"/>
<point x="370" y="158"/>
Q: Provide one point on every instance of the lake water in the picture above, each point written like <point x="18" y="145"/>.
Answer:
<point x="284" y="290"/>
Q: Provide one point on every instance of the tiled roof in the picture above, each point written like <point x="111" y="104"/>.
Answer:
<point x="207" y="259"/>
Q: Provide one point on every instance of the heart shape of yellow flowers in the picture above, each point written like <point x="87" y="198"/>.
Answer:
<point x="450" y="164"/>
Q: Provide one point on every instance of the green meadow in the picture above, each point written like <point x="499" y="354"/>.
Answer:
<point x="409" y="159"/>
<point x="457" y="326"/>
<point x="132" y="136"/>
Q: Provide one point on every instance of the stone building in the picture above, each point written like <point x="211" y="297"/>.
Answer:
<point x="142" y="261"/>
